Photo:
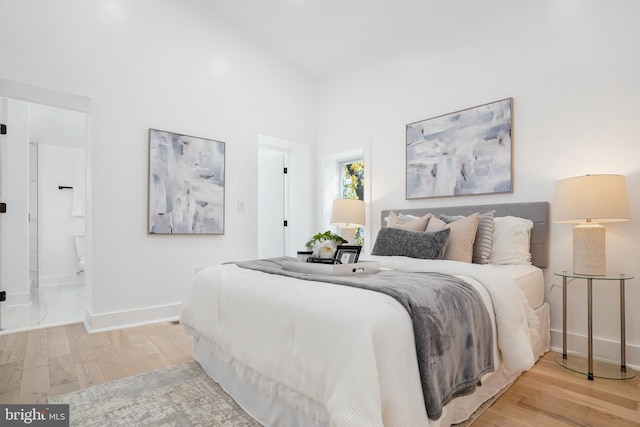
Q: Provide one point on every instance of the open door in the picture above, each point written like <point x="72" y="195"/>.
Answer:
<point x="272" y="189"/>
<point x="3" y="145"/>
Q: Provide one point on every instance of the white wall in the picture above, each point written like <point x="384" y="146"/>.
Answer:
<point x="169" y="65"/>
<point x="56" y="126"/>
<point x="572" y="68"/>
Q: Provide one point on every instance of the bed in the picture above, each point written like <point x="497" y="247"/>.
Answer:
<point x="302" y="351"/>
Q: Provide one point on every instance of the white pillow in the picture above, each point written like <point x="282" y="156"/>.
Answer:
<point x="511" y="236"/>
<point x="408" y="222"/>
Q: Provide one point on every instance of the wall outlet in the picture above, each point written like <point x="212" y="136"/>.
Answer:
<point x="241" y="206"/>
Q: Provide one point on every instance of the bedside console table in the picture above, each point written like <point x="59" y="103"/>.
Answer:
<point x="579" y="364"/>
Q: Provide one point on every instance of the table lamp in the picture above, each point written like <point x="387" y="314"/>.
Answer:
<point x="348" y="214"/>
<point x="588" y="201"/>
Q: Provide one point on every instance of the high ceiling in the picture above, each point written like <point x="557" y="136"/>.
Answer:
<point x="319" y="36"/>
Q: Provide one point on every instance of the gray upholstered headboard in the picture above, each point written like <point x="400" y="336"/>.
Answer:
<point x="538" y="212"/>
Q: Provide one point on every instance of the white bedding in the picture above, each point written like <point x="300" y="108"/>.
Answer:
<point x="343" y="356"/>
<point x="530" y="280"/>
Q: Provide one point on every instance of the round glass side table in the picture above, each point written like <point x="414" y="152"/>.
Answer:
<point x="587" y="365"/>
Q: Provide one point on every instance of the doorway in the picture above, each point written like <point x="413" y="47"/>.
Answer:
<point x="283" y="197"/>
<point x="272" y="203"/>
<point x="42" y="181"/>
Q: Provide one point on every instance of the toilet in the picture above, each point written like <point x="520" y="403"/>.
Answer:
<point x="80" y="251"/>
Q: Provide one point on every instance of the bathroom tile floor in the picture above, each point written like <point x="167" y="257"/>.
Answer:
<point x="50" y="305"/>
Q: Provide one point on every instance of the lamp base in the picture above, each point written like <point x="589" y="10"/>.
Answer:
<point x="589" y="251"/>
<point x="348" y="234"/>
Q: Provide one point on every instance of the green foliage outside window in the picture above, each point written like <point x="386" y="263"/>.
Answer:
<point x="353" y="188"/>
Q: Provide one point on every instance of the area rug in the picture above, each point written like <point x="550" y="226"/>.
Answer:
<point x="181" y="395"/>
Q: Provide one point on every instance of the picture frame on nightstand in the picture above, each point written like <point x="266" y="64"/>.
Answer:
<point x="347" y="254"/>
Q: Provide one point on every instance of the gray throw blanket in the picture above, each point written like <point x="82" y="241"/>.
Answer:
<point x="453" y="334"/>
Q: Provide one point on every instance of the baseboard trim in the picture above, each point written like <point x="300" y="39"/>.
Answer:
<point x="16" y="300"/>
<point x="605" y="350"/>
<point x="127" y="318"/>
<point x="60" y="280"/>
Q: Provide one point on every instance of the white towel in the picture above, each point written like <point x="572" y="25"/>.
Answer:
<point x="78" y="200"/>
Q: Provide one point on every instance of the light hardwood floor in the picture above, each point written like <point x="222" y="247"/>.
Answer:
<point x="46" y="362"/>
<point x="550" y="395"/>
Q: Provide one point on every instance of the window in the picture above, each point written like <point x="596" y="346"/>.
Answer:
<point x="352" y="187"/>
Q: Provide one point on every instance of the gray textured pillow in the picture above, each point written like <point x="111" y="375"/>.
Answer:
<point x="484" y="236"/>
<point x="415" y="244"/>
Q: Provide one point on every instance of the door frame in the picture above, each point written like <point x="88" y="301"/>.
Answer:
<point x="39" y="95"/>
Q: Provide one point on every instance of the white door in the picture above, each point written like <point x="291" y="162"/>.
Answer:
<point x="3" y="148"/>
<point x="272" y="211"/>
<point x="14" y="260"/>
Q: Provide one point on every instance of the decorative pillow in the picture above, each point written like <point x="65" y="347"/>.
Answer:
<point x="415" y="244"/>
<point x="408" y="222"/>
<point x="511" y="240"/>
<point x="484" y="236"/>
<point x="463" y="234"/>
<point x="450" y="218"/>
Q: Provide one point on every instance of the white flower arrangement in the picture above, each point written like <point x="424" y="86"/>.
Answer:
<point x="324" y="248"/>
<point x="324" y="245"/>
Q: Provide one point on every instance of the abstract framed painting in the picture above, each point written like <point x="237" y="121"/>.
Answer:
<point x="186" y="184"/>
<point x="461" y="153"/>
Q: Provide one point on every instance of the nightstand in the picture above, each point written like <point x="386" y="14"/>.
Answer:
<point x="580" y="364"/>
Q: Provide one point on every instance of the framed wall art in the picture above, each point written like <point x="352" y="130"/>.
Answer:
<point x="186" y="184"/>
<point x="462" y="153"/>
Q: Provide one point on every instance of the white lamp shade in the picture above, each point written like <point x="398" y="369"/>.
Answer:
<point x="591" y="198"/>
<point x="587" y="201"/>
<point x="348" y="213"/>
